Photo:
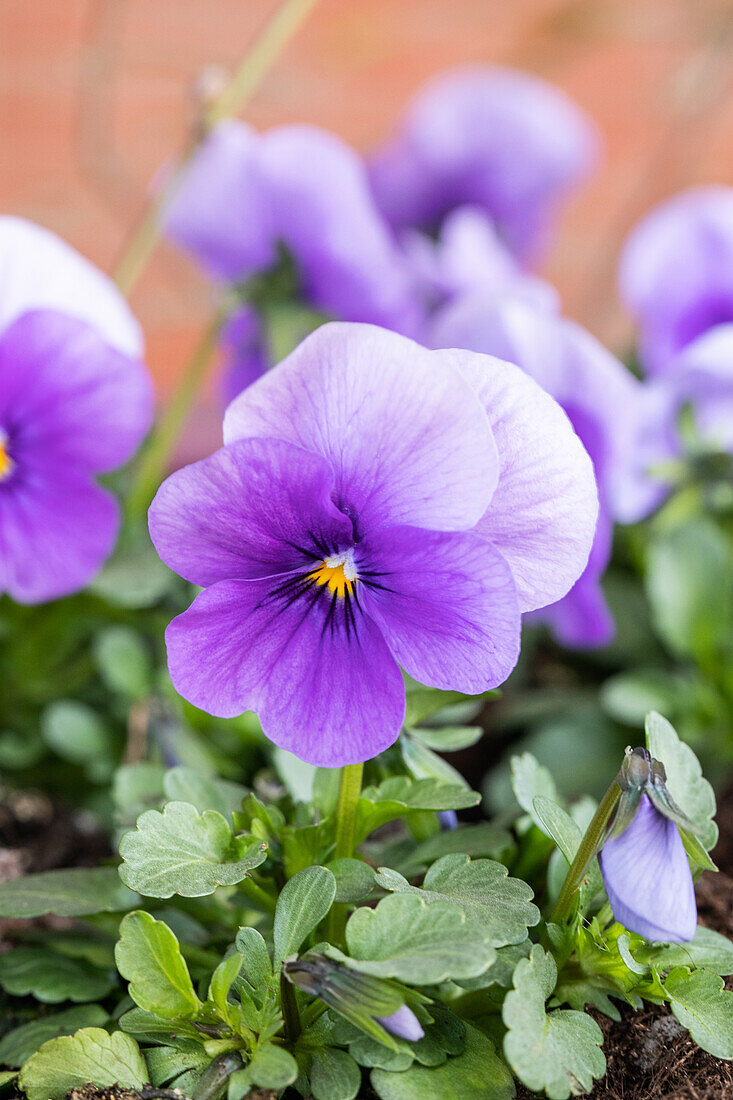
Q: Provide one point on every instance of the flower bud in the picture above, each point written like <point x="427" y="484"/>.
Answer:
<point x="403" y="1023"/>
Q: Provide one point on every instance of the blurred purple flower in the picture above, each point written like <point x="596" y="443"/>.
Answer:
<point x="647" y="878"/>
<point x="245" y="353"/>
<point x="246" y="194"/>
<point x="403" y="1023"/>
<point x="75" y="401"/>
<point x="596" y="392"/>
<point x="448" y="819"/>
<point x="490" y="137"/>
<point x="676" y="273"/>
<point x="375" y="505"/>
<point x="700" y="377"/>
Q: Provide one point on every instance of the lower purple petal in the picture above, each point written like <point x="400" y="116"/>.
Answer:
<point x="329" y="695"/>
<point x="648" y="878"/>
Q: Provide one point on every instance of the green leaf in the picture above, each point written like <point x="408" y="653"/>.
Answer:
<point x="531" y="779"/>
<point x="423" y="763"/>
<point x="148" y="955"/>
<point x="557" y="1052"/>
<point x="405" y="938"/>
<point x="91" y="1055"/>
<point x="707" y="951"/>
<point x="123" y="661"/>
<point x="354" y="879"/>
<point x="685" y="782"/>
<point x="481" y="889"/>
<point x="17" y="1045"/>
<point x="272" y="1067"/>
<point x="478" y="1072"/>
<point x="629" y="696"/>
<point x="689" y="582"/>
<point x="52" y="978"/>
<point x="134" y="577"/>
<point x="181" y="851"/>
<point x="256" y="968"/>
<point x="558" y="825"/>
<point x="221" y="982"/>
<point x="485" y="839"/>
<point x="75" y="731"/>
<point x="167" y="1063"/>
<point x="423" y="702"/>
<point x="147" y="1027"/>
<point x="78" y="892"/>
<point x="183" y="784"/>
<point x="704" y="1007"/>
<point x="6" y="1078"/>
<point x="399" y="796"/>
<point x="303" y="903"/>
<point x="334" y="1075"/>
<point x="448" y="738"/>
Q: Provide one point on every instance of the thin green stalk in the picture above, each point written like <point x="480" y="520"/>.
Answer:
<point x="243" y="83"/>
<point x="586" y="850"/>
<point x="348" y="800"/>
<point x="289" y="1005"/>
<point x="257" y="895"/>
<point x="157" y="452"/>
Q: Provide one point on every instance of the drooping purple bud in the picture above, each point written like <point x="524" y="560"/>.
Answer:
<point x="448" y="819"/>
<point x="403" y="1023"/>
<point x="648" y="879"/>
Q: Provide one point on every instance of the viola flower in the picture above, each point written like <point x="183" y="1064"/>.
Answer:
<point x="75" y="401"/>
<point x="375" y="505"/>
<point x="676" y="273"/>
<point x="701" y="378"/>
<point x="597" y="393"/>
<point x="490" y="137"/>
<point x="246" y="196"/>
<point x="245" y="353"/>
<point x="403" y="1023"/>
<point x="644" y="864"/>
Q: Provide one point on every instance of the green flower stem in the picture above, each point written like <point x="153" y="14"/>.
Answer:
<point x="289" y="1006"/>
<point x="213" y="1084"/>
<point x="585" y="853"/>
<point x="157" y="452"/>
<point x="243" y="83"/>
<point x="348" y="800"/>
<point x="256" y="894"/>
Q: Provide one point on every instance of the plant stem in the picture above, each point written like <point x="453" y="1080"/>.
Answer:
<point x="159" y="448"/>
<point x="289" y="1005"/>
<point x="243" y="83"/>
<point x="348" y="798"/>
<point x="585" y="853"/>
<point x="257" y="895"/>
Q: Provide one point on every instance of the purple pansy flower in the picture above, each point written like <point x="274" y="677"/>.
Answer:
<point x="245" y="194"/>
<point x="403" y="1023"/>
<point x="245" y="353"/>
<point x="75" y="401"/>
<point x="700" y="377"/>
<point x="597" y="393"/>
<point x="490" y="137"/>
<point x="676" y="273"/>
<point x="375" y="505"/>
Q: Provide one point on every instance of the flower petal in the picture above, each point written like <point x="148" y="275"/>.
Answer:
<point x="220" y="211"/>
<point x="329" y="696"/>
<point x="252" y="509"/>
<point x="446" y="604"/>
<point x="40" y="271"/>
<point x="402" y="431"/>
<point x="69" y="395"/>
<point x="542" y="516"/>
<point x="648" y="879"/>
<point x="56" y="531"/>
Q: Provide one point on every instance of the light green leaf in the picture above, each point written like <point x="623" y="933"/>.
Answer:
<point x="448" y="738"/>
<point x="529" y="780"/>
<point x="147" y="1027"/>
<point x="423" y="763"/>
<point x="78" y="892"/>
<point x="399" y="796"/>
<point x="181" y="851"/>
<point x="558" y="825"/>
<point x="685" y="782"/>
<point x="134" y="577"/>
<point x="423" y="702"/>
<point x="557" y="1052"/>
<point x="303" y="903"/>
<point x="6" y="1078"/>
<point x="630" y="695"/>
<point x="183" y="784"/>
<point x="477" y="1072"/>
<point x="17" y="1045"/>
<point x="91" y="1055"/>
<point x="481" y="889"/>
<point x="485" y="839"/>
<point x="354" y="879"/>
<point x="272" y="1067"/>
<point x="704" y="1007"/>
<point x="166" y="1064"/>
<point x="52" y="978"/>
<point x="405" y="938"/>
<point x="256" y="967"/>
<point x="75" y="731"/>
<point x="707" y="951"/>
<point x="221" y="982"/>
<point x="123" y="661"/>
<point x="334" y="1075"/>
<point x="148" y="955"/>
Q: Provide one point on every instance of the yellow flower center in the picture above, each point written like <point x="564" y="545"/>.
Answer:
<point x="338" y="574"/>
<point x="6" y="462"/>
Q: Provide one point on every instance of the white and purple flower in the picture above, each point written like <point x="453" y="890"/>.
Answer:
<point x="375" y="505"/>
<point x="489" y="137"/>
<point x="75" y="402"/>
